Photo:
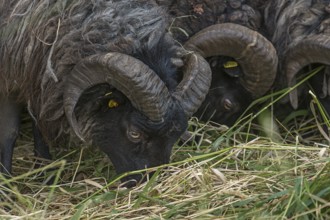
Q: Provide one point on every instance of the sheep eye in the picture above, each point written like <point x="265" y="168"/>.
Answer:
<point x="227" y="104"/>
<point x="134" y="135"/>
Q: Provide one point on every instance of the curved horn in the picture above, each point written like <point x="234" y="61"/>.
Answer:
<point x="255" y="54"/>
<point x="313" y="49"/>
<point x="137" y="81"/>
<point x="195" y="84"/>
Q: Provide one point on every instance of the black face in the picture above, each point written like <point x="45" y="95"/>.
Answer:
<point x="130" y="140"/>
<point x="227" y="99"/>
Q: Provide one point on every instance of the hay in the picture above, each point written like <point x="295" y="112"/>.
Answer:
<point x="256" y="179"/>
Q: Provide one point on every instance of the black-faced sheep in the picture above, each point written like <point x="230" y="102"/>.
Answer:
<point x="300" y="32"/>
<point x="243" y="62"/>
<point x="102" y="70"/>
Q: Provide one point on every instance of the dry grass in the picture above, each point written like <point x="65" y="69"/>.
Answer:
<point x="273" y="169"/>
<point x="258" y="179"/>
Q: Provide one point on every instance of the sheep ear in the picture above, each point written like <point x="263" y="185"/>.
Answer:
<point x="232" y="68"/>
<point x="113" y="103"/>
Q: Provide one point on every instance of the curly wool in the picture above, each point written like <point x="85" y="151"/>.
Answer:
<point x="289" y="22"/>
<point x="296" y="19"/>
<point x="191" y="16"/>
<point x="45" y="39"/>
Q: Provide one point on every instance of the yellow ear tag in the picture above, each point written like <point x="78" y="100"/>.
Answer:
<point x="113" y="104"/>
<point x="230" y="64"/>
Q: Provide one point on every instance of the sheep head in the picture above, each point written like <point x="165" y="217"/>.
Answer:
<point x="138" y="129"/>
<point x="255" y="55"/>
<point x="227" y="99"/>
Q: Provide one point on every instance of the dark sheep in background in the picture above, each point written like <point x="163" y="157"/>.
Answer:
<point x="300" y="32"/>
<point x="225" y="31"/>
<point x="103" y="71"/>
<point x="191" y="16"/>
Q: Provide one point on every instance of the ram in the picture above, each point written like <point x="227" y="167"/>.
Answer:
<point x="228" y="34"/>
<point x="300" y="31"/>
<point x="100" y="72"/>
